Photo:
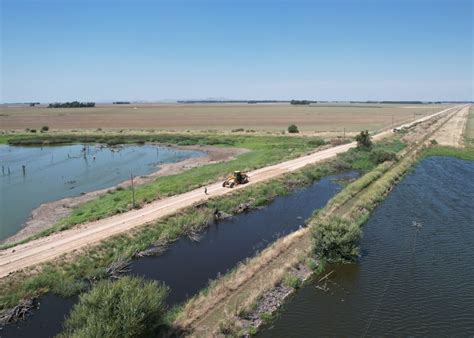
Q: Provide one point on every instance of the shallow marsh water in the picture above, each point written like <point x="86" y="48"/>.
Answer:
<point x="55" y="172"/>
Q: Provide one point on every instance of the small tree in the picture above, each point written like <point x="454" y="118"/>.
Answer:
<point x="127" y="307"/>
<point x="293" y="129"/>
<point x="44" y="128"/>
<point x="363" y="140"/>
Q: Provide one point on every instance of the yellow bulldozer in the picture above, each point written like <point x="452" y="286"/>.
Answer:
<point x="236" y="178"/>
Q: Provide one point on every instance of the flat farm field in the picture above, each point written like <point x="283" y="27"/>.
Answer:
<point x="222" y="117"/>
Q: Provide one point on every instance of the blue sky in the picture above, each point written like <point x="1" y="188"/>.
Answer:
<point x="152" y="50"/>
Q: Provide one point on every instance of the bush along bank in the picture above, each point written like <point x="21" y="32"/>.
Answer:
<point x="73" y="274"/>
<point x="127" y="307"/>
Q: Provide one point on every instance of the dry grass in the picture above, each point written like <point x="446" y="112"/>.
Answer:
<point x="237" y="291"/>
<point x="319" y="118"/>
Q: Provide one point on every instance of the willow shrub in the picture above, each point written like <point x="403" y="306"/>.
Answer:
<point x="127" y="307"/>
<point x="336" y="240"/>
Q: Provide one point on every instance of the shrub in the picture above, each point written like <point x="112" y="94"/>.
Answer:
<point x="316" y="142"/>
<point x="291" y="281"/>
<point x="433" y="142"/>
<point x="312" y="264"/>
<point x="266" y="317"/>
<point x="128" y="307"/>
<point x="44" y="128"/>
<point x="341" y="165"/>
<point x="32" y="130"/>
<point x="336" y="240"/>
<point x="379" y="156"/>
<point x="292" y="128"/>
<point x="363" y="140"/>
<point x="237" y="130"/>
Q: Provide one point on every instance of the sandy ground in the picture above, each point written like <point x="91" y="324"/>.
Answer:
<point x="48" y="214"/>
<point x="50" y="247"/>
<point x="451" y="134"/>
<point x="268" y="117"/>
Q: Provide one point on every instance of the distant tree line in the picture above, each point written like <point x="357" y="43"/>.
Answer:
<point x="231" y="101"/>
<point x="73" y="104"/>
<point x="300" y="102"/>
<point x="121" y="102"/>
<point x="392" y="102"/>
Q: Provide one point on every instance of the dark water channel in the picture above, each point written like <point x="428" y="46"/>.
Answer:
<point x="187" y="266"/>
<point x="416" y="273"/>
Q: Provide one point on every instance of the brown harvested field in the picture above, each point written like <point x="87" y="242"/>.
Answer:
<point x="270" y="117"/>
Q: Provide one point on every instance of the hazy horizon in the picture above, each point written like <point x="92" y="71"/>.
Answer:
<point x="106" y="51"/>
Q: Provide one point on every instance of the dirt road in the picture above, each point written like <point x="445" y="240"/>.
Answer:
<point x="451" y="134"/>
<point x="48" y="248"/>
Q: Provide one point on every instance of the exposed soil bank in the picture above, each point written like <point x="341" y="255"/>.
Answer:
<point x="49" y="214"/>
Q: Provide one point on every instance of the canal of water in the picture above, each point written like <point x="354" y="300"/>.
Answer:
<point x="415" y="276"/>
<point x="187" y="266"/>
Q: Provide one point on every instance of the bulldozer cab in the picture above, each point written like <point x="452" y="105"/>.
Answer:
<point x="238" y="176"/>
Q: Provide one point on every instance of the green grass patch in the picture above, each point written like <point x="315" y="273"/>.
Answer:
<point x="291" y="281"/>
<point x="365" y="159"/>
<point x="469" y="132"/>
<point x="461" y="153"/>
<point x="3" y="139"/>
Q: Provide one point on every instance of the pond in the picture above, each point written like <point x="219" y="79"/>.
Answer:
<point x="187" y="266"/>
<point x="415" y="276"/>
<point x="55" y="172"/>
